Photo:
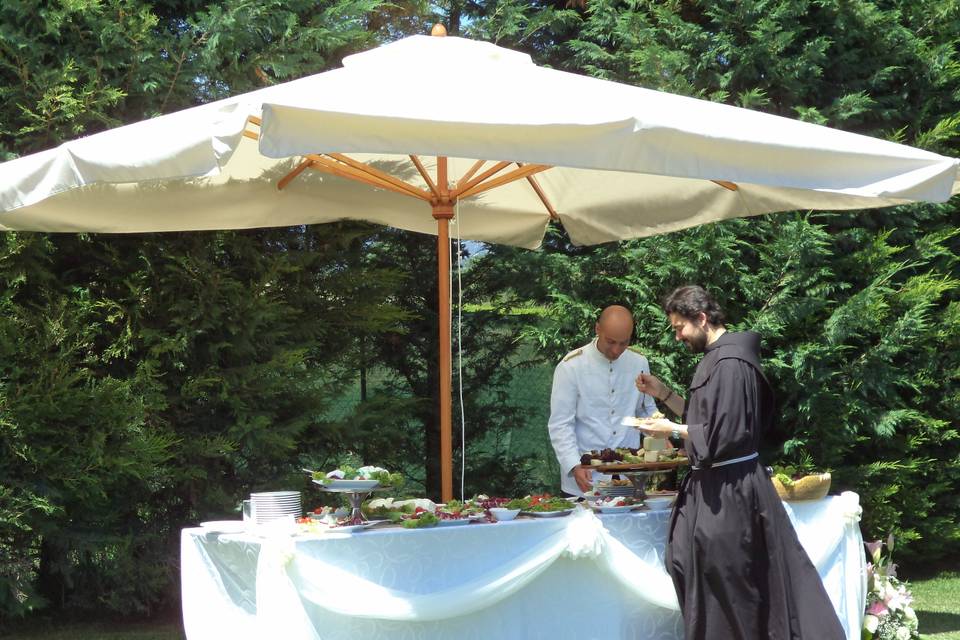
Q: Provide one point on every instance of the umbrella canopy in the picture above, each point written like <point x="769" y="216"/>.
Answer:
<point x="411" y="132"/>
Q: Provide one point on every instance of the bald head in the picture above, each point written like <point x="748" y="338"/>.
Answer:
<point x="614" y="331"/>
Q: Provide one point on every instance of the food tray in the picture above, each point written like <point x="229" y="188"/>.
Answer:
<point x="626" y="467"/>
<point x="547" y="514"/>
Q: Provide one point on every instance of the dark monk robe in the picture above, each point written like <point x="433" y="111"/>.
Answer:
<point x="736" y="563"/>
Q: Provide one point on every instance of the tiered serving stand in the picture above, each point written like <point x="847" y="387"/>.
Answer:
<point x="355" y="490"/>
<point x="639" y="473"/>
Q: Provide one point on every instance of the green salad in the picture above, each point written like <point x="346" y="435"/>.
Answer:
<point x="425" y="519"/>
<point x="540" y="503"/>
<point x="463" y="508"/>
<point x="382" y="476"/>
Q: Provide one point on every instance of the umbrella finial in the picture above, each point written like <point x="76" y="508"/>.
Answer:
<point x="438" y="30"/>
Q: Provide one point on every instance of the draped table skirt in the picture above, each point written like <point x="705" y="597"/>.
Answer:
<point x="579" y="576"/>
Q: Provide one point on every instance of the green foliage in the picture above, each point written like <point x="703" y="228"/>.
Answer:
<point x="18" y="545"/>
<point x="72" y="68"/>
<point x="157" y="380"/>
<point x="860" y="343"/>
<point x="487" y="339"/>
<point x="859" y="312"/>
<point x="150" y="381"/>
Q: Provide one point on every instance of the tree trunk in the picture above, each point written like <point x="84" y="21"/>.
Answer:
<point x="363" y="369"/>
<point x="49" y="574"/>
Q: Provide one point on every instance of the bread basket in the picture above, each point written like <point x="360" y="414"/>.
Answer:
<point x="812" y="487"/>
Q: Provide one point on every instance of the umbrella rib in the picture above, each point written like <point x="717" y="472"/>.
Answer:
<point x="729" y="186"/>
<point x="543" y="197"/>
<point x="425" y="176"/>
<point x="253" y="135"/>
<point x="473" y="170"/>
<point x="497" y="168"/>
<point x="325" y="165"/>
<point x="516" y="174"/>
<point x="285" y="180"/>
<point x="381" y="176"/>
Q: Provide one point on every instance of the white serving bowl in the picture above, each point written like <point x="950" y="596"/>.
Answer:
<point x="659" y="502"/>
<point x="503" y="514"/>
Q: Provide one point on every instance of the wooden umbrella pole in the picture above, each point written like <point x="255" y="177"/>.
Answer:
<point x="443" y="215"/>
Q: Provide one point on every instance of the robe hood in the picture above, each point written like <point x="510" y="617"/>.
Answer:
<point x="742" y="345"/>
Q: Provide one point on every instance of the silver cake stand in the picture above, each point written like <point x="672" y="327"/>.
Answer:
<point x="354" y="492"/>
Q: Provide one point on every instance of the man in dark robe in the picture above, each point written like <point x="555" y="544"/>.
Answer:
<point x="734" y="557"/>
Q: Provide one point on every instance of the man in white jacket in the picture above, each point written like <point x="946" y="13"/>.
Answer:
<point x="593" y="390"/>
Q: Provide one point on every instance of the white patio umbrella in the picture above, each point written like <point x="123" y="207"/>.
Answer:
<point x="412" y="132"/>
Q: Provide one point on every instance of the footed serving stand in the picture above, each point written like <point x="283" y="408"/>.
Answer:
<point x="356" y="495"/>
<point x="640" y="473"/>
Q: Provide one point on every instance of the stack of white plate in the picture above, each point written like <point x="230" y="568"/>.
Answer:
<point x="615" y="490"/>
<point x="274" y="505"/>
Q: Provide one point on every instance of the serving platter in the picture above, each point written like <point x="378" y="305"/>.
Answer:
<point x="619" y="509"/>
<point x="547" y="514"/>
<point x="467" y="519"/>
<point x="454" y="523"/>
<point x="662" y="465"/>
<point x="348" y="485"/>
<point x="349" y="528"/>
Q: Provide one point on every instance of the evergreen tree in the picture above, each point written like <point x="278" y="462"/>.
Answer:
<point x="858" y="310"/>
<point x="152" y="380"/>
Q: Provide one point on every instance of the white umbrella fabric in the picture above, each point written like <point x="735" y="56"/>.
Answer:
<point x="408" y="133"/>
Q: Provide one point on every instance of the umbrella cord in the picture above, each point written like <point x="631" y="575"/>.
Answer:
<point x="463" y="420"/>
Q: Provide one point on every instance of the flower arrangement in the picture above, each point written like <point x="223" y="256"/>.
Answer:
<point x="889" y="615"/>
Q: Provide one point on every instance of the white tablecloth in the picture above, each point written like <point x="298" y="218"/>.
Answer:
<point x="572" y="577"/>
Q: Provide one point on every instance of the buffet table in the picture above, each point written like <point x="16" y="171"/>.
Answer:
<point x="578" y="576"/>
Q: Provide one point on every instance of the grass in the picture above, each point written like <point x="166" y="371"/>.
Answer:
<point x="937" y="602"/>
<point x="49" y="630"/>
<point x="936" y="599"/>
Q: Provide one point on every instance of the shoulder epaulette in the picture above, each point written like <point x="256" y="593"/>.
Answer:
<point x="572" y="354"/>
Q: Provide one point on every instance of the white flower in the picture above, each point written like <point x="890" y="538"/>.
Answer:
<point x="896" y="602"/>
<point x="911" y="617"/>
<point x="870" y="623"/>
<point x="903" y="633"/>
<point x="897" y="597"/>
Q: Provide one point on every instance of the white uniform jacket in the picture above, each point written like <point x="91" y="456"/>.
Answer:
<point x="591" y="396"/>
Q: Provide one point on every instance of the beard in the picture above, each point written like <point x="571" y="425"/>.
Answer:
<point x="697" y="343"/>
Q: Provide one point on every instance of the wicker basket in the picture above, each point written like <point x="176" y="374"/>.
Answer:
<point x="813" y="487"/>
